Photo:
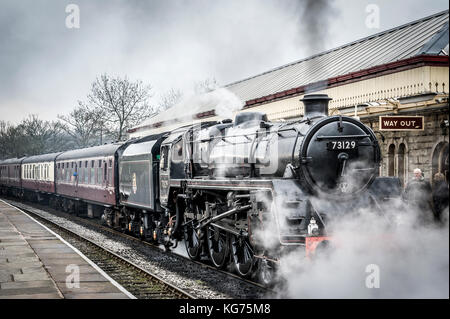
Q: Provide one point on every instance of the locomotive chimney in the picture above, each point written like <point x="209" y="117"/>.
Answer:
<point x="315" y="105"/>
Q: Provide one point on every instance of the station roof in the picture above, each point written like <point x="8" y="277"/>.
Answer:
<point x="425" y="37"/>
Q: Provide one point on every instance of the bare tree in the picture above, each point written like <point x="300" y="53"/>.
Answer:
<point x="41" y="136"/>
<point x="82" y="124"/>
<point x="121" y="103"/>
<point x="169" y="99"/>
<point x="205" y="86"/>
<point x="10" y="143"/>
<point x="31" y="137"/>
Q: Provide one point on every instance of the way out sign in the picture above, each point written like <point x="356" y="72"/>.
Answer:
<point x="401" y="123"/>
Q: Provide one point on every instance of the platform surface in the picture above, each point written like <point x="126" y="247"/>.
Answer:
<point x="36" y="264"/>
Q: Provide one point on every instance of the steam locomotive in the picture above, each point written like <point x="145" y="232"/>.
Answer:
<point x="237" y="193"/>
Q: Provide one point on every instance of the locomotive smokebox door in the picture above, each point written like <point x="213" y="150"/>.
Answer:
<point x="348" y="147"/>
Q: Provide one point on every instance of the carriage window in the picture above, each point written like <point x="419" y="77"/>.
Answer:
<point x="80" y="174"/>
<point x="86" y="174"/>
<point x="92" y="180"/>
<point x="99" y="172"/>
<point x="109" y="174"/>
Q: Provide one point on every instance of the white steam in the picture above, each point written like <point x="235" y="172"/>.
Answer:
<point x="224" y="102"/>
<point x="412" y="259"/>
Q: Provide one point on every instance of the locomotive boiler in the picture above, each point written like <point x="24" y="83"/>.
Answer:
<point x="245" y="191"/>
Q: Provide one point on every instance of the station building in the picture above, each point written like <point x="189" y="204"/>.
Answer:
<point x="403" y="71"/>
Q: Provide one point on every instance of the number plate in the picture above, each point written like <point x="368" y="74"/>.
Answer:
<point x="342" y="145"/>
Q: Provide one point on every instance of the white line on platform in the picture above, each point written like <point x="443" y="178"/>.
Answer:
<point x="115" y="283"/>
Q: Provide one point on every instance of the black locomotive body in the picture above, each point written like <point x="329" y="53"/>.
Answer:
<point x="254" y="187"/>
<point x="238" y="193"/>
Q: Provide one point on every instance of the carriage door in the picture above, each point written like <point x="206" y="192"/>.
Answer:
<point x="76" y="175"/>
<point x="164" y="175"/>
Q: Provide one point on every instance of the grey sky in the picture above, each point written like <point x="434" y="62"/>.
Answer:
<point x="45" y="67"/>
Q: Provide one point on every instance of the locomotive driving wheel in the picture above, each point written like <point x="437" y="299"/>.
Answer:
<point x="192" y="241"/>
<point x="243" y="255"/>
<point x="218" y="246"/>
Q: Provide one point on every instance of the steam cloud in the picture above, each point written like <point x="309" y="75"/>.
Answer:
<point x="412" y="258"/>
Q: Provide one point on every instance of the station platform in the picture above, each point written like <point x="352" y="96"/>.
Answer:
<point x="36" y="263"/>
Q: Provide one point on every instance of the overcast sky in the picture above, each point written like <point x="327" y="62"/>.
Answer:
<point x="46" y="67"/>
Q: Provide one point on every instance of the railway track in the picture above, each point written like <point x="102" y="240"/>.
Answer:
<point x="242" y="288"/>
<point x="139" y="282"/>
<point x="97" y="223"/>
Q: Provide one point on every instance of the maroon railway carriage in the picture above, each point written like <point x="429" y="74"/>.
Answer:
<point x="38" y="174"/>
<point x="10" y="176"/>
<point x="87" y="175"/>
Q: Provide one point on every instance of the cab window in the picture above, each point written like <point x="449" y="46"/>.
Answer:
<point x="164" y="160"/>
